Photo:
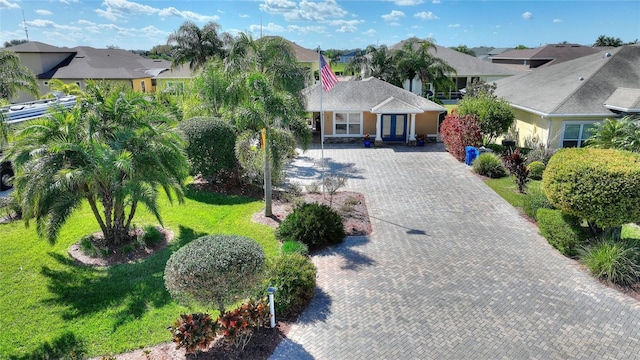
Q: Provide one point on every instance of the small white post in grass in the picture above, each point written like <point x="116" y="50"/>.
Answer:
<point x="272" y="311"/>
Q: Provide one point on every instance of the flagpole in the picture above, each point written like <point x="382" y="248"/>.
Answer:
<point x="321" y="120"/>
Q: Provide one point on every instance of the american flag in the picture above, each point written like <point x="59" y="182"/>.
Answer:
<point x="328" y="78"/>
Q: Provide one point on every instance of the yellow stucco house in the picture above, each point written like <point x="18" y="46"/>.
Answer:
<point x="557" y="106"/>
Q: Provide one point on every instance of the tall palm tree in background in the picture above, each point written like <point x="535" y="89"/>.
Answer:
<point x="271" y="81"/>
<point x="114" y="150"/>
<point x="195" y="45"/>
<point x="375" y="61"/>
<point x="415" y="59"/>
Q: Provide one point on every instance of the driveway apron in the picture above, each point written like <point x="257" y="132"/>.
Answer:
<point x="450" y="271"/>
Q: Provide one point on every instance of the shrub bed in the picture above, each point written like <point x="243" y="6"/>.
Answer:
<point x="613" y="261"/>
<point x="294" y="277"/>
<point x="312" y="224"/>
<point x="490" y="165"/>
<point x="562" y="231"/>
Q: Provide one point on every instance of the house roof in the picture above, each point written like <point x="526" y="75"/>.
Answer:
<point x="578" y="87"/>
<point x="302" y="54"/>
<point x="554" y="53"/>
<point x="365" y="95"/>
<point x="625" y="100"/>
<point x="92" y="63"/>
<point x="38" y="47"/>
<point x="180" y="72"/>
<point x="466" y="65"/>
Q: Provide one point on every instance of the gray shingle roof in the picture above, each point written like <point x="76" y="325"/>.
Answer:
<point x="364" y="95"/>
<point x="576" y="87"/>
<point x="624" y="99"/>
<point x="91" y="63"/>
<point x="38" y="47"/>
<point x="554" y="53"/>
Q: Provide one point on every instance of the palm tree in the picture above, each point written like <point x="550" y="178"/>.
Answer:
<point x="113" y="150"/>
<point x="58" y="86"/>
<point x="194" y="45"/>
<point x="604" y="40"/>
<point x="271" y="83"/>
<point x="415" y="59"/>
<point x="15" y="76"/>
<point x="214" y="87"/>
<point x="376" y="62"/>
<point x="622" y="134"/>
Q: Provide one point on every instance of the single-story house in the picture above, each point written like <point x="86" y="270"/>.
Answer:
<point x="375" y="107"/>
<point x="557" y="106"/>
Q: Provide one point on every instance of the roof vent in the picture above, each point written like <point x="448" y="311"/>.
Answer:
<point x="607" y="54"/>
<point x="580" y="78"/>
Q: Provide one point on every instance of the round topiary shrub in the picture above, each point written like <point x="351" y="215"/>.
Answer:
<point x="294" y="277"/>
<point x="210" y="146"/>
<point x="536" y="169"/>
<point x="312" y="224"/>
<point x="214" y="270"/>
<point x="601" y="186"/>
<point x="489" y="164"/>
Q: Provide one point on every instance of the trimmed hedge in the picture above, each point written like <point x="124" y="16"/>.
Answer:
<point x="214" y="270"/>
<point x="536" y="169"/>
<point x="533" y="200"/>
<point x="294" y="277"/>
<point x="211" y="146"/>
<point x="601" y="186"/>
<point x="315" y="225"/>
<point x="562" y="231"/>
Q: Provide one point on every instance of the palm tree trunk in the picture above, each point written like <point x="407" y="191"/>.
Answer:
<point x="267" y="175"/>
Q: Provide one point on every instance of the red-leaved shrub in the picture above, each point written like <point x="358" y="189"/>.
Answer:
<point x="458" y="132"/>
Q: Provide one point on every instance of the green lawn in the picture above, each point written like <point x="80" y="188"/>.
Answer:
<point x="50" y="305"/>
<point x="508" y="190"/>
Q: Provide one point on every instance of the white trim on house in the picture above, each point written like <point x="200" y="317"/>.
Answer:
<point x="548" y="115"/>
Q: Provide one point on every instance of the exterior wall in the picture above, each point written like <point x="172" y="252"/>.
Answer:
<point x="530" y="129"/>
<point x="427" y="123"/>
<point x="143" y="85"/>
<point x="369" y="123"/>
<point x="41" y="62"/>
<point x="557" y="127"/>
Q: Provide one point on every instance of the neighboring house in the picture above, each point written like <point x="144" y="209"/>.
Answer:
<point x="173" y="80"/>
<point x="372" y="106"/>
<point x="346" y="58"/>
<point x="467" y="68"/>
<point x="543" y="56"/>
<point x="486" y="53"/>
<point x="308" y="58"/>
<point x="557" y="106"/>
<point x="82" y="63"/>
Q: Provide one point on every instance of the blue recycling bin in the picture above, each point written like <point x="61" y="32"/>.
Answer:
<point x="470" y="154"/>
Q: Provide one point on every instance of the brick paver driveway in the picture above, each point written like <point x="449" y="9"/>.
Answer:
<point x="450" y="271"/>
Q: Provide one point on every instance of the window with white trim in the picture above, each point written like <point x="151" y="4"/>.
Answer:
<point x="574" y="134"/>
<point x="347" y="124"/>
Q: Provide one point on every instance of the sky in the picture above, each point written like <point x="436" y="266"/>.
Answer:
<point x="329" y="24"/>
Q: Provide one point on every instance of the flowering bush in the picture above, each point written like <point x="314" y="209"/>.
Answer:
<point x="193" y="332"/>
<point x="237" y="326"/>
<point x="458" y="132"/>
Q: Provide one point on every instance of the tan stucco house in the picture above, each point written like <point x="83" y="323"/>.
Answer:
<point x="371" y="106"/>
<point x="557" y="106"/>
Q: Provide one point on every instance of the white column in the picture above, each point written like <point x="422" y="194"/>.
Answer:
<point x="378" y="127"/>
<point x="412" y="131"/>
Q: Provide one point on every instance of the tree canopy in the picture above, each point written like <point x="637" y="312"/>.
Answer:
<point x="195" y="45"/>
<point x="15" y="77"/>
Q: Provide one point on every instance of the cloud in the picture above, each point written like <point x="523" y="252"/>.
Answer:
<point x="69" y="1"/>
<point x="5" y="4"/>
<point x="187" y="15"/>
<point x="48" y="24"/>
<point x="527" y="15"/>
<point x="346" y="25"/>
<point x="407" y="2"/>
<point x="453" y="25"/>
<point x="307" y="29"/>
<point x="244" y="16"/>
<point x="120" y="9"/>
<point x="435" y="2"/>
<point x="394" y="15"/>
<point x="426" y="15"/>
<point x="44" y="12"/>
<point x="556" y="21"/>
<point x="305" y="10"/>
<point x="370" y="32"/>
<point x="269" y="28"/>
<point x="86" y="22"/>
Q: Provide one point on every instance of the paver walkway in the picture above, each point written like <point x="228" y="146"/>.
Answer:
<point x="451" y="271"/>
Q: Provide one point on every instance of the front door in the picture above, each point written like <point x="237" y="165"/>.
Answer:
<point x="394" y="127"/>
